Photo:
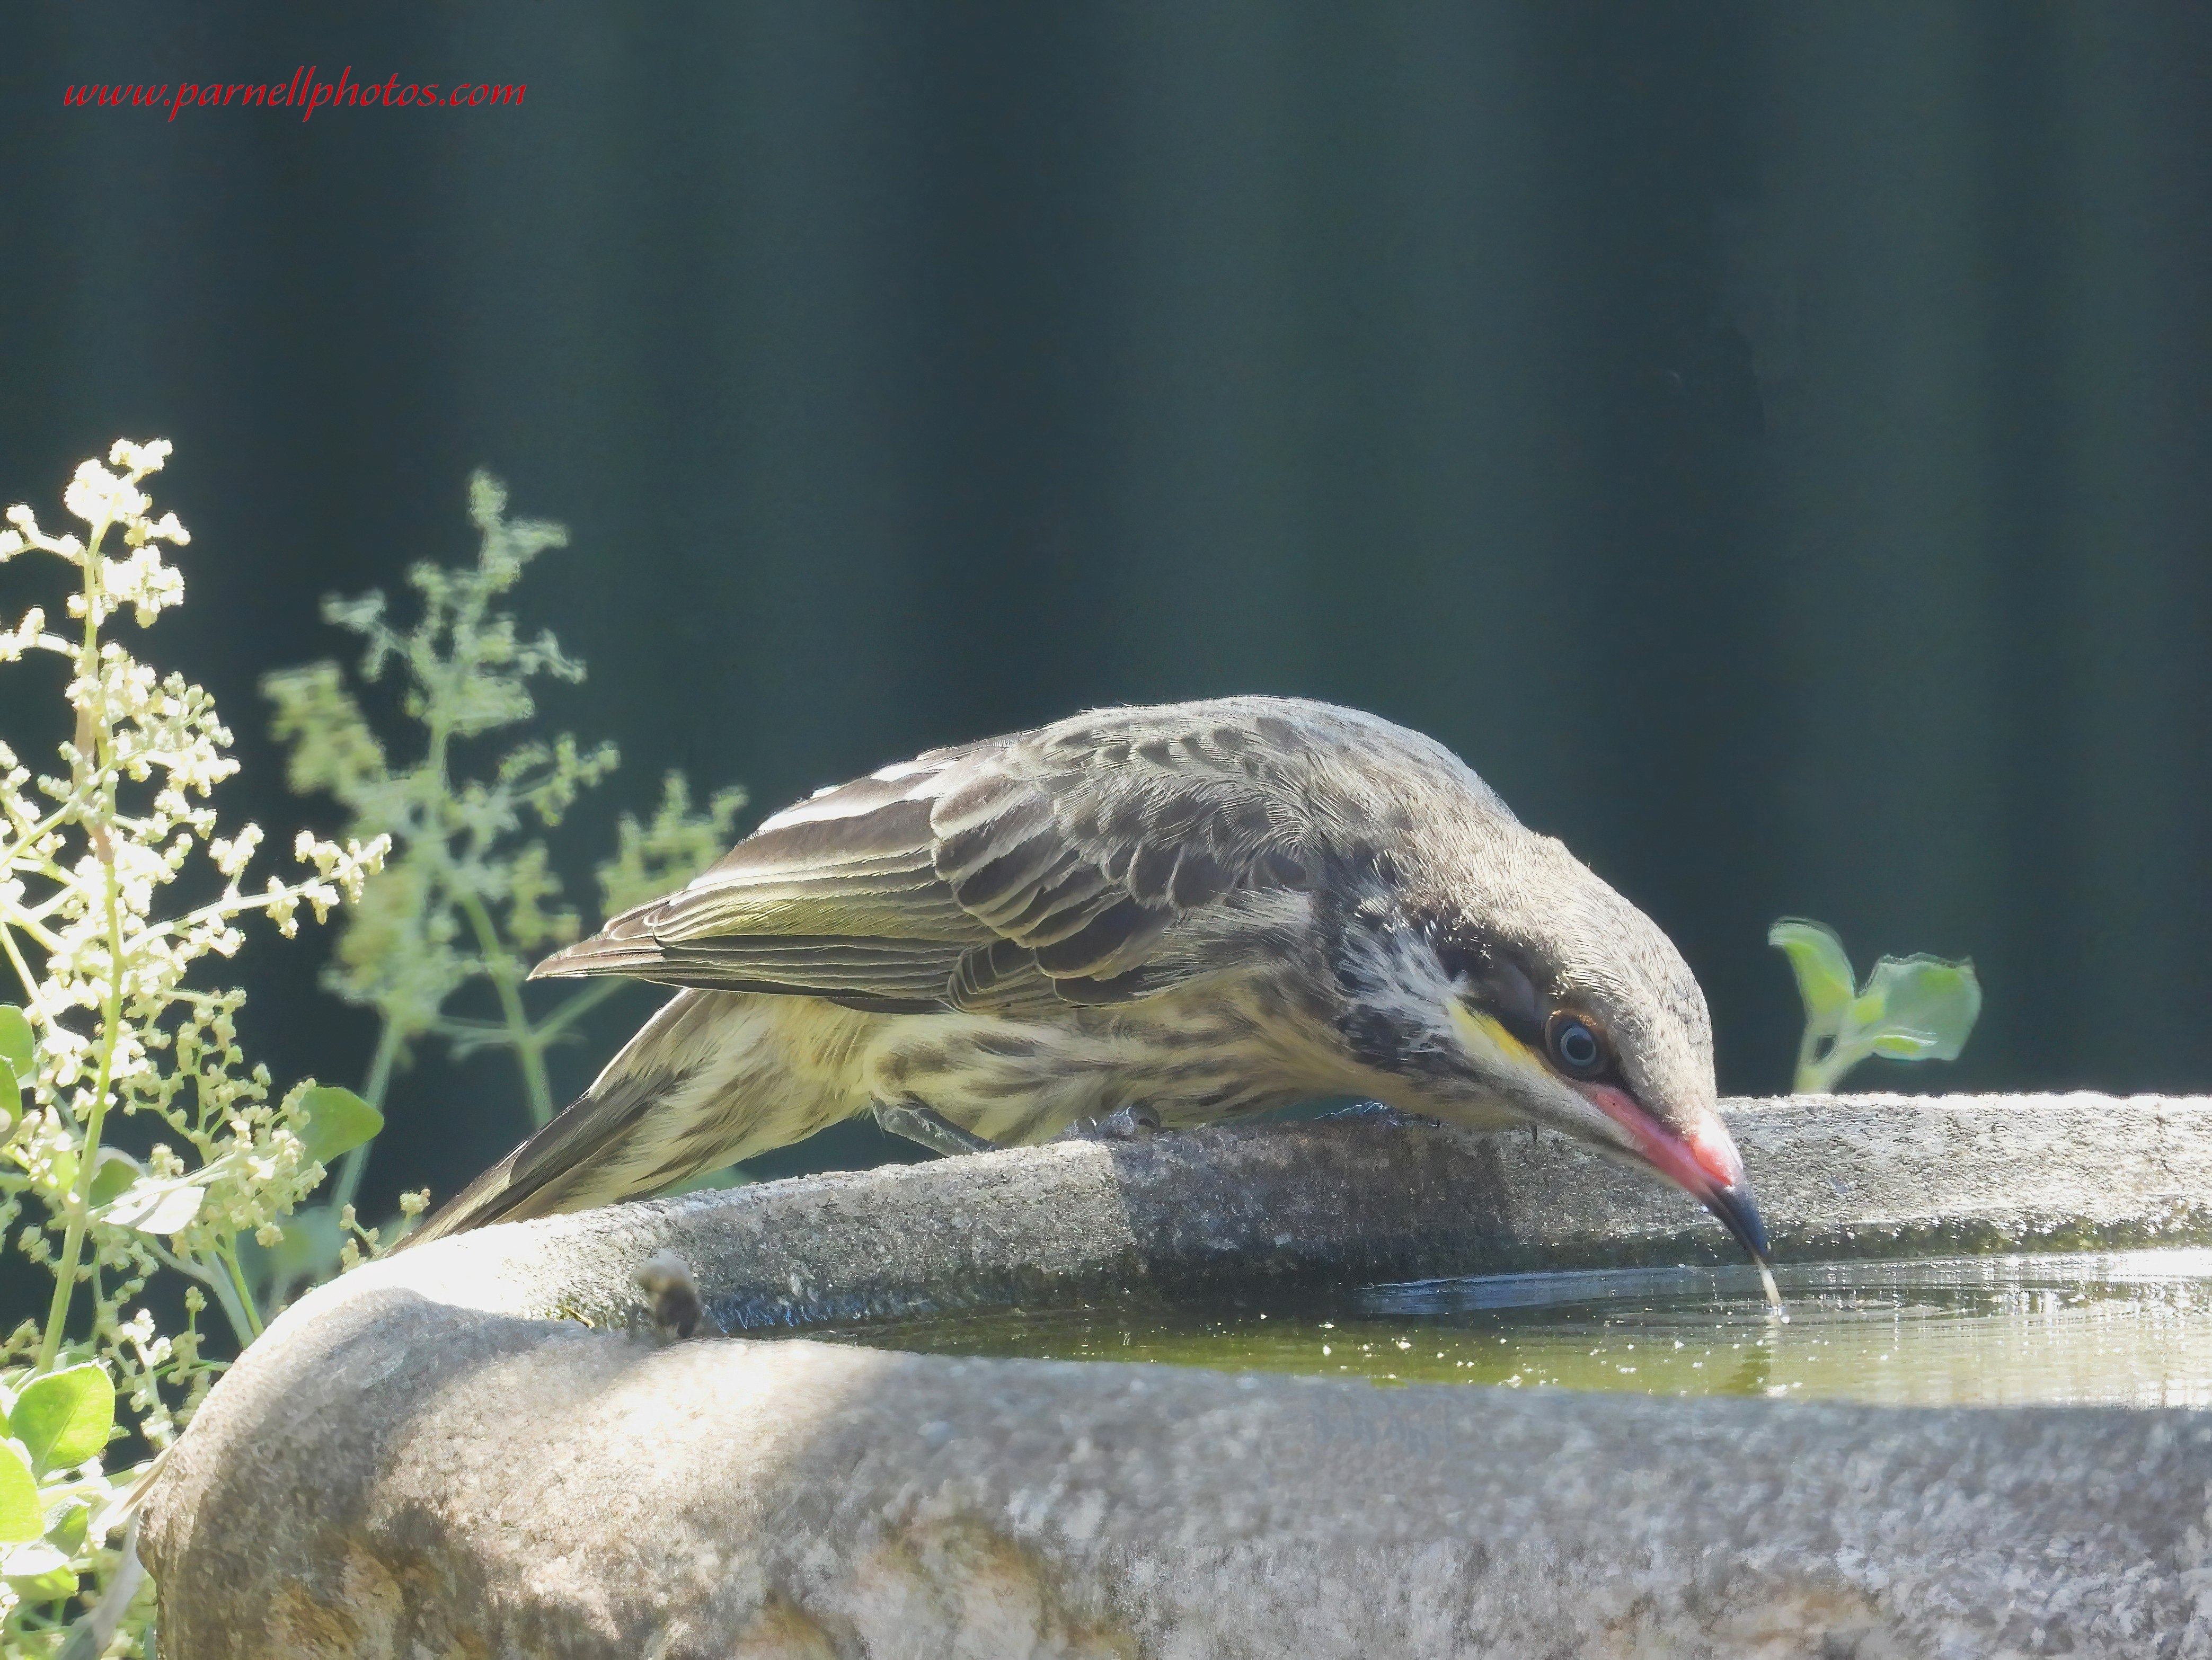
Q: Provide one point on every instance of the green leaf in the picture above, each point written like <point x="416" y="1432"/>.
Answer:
<point x="1911" y="1008"/>
<point x="18" y="1065"/>
<point x="1825" y="979"/>
<point x="115" y="1173"/>
<point x="336" y="1121"/>
<point x="1929" y="1006"/>
<point x="21" y="1517"/>
<point x="155" y="1206"/>
<point x="62" y="1418"/>
<point x="65" y="1531"/>
<point x="38" y="1573"/>
<point x="33" y="1556"/>
<point x="307" y="1249"/>
<point x="17" y="1048"/>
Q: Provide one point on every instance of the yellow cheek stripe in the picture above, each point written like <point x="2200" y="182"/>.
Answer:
<point x="1483" y="1029"/>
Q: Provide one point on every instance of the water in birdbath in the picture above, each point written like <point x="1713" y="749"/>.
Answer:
<point x="2131" y="1328"/>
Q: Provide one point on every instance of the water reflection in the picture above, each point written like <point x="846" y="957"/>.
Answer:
<point x="2129" y="1328"/>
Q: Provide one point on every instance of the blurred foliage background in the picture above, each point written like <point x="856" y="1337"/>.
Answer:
<point x="1768" y="440"/>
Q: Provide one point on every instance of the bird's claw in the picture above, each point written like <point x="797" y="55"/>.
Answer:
<point x="1130" y="1123"/>
<point x="926" y="1127"/>
<point x="1375" y="1112"/>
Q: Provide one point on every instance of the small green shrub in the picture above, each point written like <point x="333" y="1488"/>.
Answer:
<point x="1911" y="1008"/>
<point x="467" y="896"/>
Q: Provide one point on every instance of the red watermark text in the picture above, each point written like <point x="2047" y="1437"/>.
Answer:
<point x="303" y="92"/>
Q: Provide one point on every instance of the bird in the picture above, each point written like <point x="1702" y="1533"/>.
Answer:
<point x="1172" y="916"/>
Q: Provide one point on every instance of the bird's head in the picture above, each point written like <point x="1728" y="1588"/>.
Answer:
<point x="1526" y="987"/>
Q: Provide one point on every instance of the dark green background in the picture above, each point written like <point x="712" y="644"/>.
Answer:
<point x="1769" y="441"/>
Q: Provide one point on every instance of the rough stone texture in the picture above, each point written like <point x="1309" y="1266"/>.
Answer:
<point x="415" y="1461"/>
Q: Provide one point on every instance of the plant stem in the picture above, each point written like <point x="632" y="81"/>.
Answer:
<point x="372" y="1091"/>
<point x="229" y="1258"/>
<point x="576" y="1006"/>
<point x="16" y="958"/>
<point x="111" y="1010"/>
<point x="1819" y="1074"/>
<point x="529" y="1046"/>
<point x="226" y="1296"/>
<point x="216" y="1279"/>
<point x="499" y="963"/>
<point x="80" y="1201"/>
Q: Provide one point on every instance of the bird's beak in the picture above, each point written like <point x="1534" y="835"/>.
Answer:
<point x="1703" y="1162"/>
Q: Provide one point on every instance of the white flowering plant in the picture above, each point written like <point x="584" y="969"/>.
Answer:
<point x="115" y="1045"/>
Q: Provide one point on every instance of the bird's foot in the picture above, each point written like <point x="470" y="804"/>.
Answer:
<point x="928" y="1127"/>
<point x="1375" y="1112"/>
<point x="1132" y="1123"/>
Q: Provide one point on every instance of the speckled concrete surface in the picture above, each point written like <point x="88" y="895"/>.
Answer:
<point x="415" y="1461"/>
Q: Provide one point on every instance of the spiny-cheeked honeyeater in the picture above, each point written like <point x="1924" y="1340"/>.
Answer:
<point x="1200" y="910"/>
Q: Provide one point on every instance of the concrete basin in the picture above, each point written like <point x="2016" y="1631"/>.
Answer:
<point x="459" y="1450"/>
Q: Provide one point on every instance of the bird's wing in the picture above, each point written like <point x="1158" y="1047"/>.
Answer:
<point x="1052" y="863"/>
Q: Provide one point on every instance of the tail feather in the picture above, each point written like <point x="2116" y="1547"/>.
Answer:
<point x="587" y="1155"/>
<point x="712" y="1078"/>
<point x="484" y="1200"/>
<point x="575" y="1161"/>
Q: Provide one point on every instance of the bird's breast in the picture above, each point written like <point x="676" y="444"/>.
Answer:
<point x="1207" y="1051"/>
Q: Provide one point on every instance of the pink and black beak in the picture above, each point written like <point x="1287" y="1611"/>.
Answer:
<point x="1702" y="1161"/>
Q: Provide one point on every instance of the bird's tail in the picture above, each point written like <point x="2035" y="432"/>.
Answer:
<point x="487" y="1199"/>
<point x="714" y="1077"/>
<point x="602" y="1148"/>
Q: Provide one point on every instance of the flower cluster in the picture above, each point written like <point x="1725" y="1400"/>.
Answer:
<point x="136" y="1140"/>
<point x="109" y="1027"/>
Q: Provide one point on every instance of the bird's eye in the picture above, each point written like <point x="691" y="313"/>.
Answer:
<point x="1576" y="1045"/>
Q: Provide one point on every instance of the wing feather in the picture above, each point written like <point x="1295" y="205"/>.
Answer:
<point x="1048" y="864"/>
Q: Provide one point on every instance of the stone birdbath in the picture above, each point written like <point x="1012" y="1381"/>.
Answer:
<point x="463" y="1450"/>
